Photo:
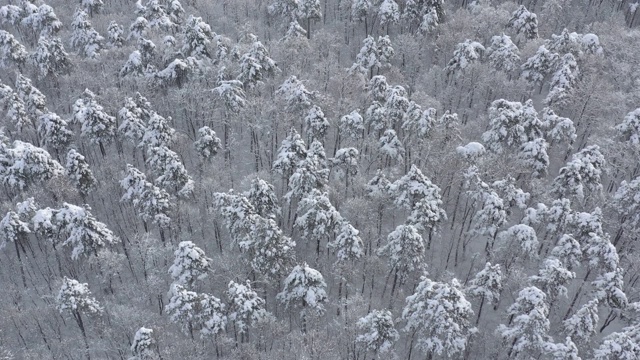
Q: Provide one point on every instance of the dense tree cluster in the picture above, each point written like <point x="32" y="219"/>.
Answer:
<point x="334" y="179"/>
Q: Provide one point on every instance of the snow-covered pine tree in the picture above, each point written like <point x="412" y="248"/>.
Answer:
<point x="346" y="160"/>
<point x="246" y="308"/>
<point x="295" y="94"/>
<point x="609" y="289"/>
<point x="158" y="132"/>
<point x="310" y="10"/>
<point x="413" y="187"/>
<point x="115" y="38"/>
<point x="158" y="17"/>
<point x="487" y="285"/>
<point x="396" y="104"/>
<point x="35" y="102"/>
<point x="562" y="351"/>
<point x="388" y="12"/>
<point x="629" y="129"/>
<point x="25" y="164"/>
<point x="503" y="54"/>
<point x="263" y="197"/>
<point x="138" y="28"/>
<point x="360" y="9"/>
<point x="582" y="325"/>
<point x="552" y="278"/>
<point x="304" y="288"/>
<point x="465" y="54"/>
<point x="11" y="51"/>
<point x="440" y="315"/>
<point x="236" y="211"/>
<point x="84" y="38"/>
<point x="75" y="297"/>
<point x="151" y="202"/>
<point x="309" y="175"/>
<point x="44" y="20"/>
<point x="295" y="32"/>
<point x="568" y="251"/>
<point x="385" y="50"/>
<point x="272" y="253"/>
<point x="97" y="125"/>
<point x="539" y="66"/>
<point x="533" y="155"/>
<point x="528" y="328"/>
<point x="624" y="344"/>
<point x="50" y="57"/>
<point x="317" y="218"/>
<point x="230" y="91"/>
<point x="558" y="129"/>
<point x="15" y="107"/>
<point x="92" y="6"/>
<point x="256" y="64"/>
<point x="78" y="171"/>
<point x="208" y="144"/>
<point x="190" y="264"/>
<point x="511" y="124"/>
<point x="347" y="245"/>
<point x="378" y="332"/>
<point x="316" y="124"/>
<point x="581" y="174"/>
<point x="14" y="230"/>
<point x="522" y="236"/>
<point x="352" y="125"/>
<point x="367" y="58"/>
<point x="419" y="123"/>
<point x="196" y="311"/>
<point x="564" y="81"/>
<point x="143" y="344"/>
<point x="390" y="147"/>
<point x="404" y="250"/>
<point x="425" y="14"/>
<point x="170" y="170"/>
<point x="84" y="232"/>
<point x="133" y="117"/>
<point x="196" y="35"/>
<point x="524" y="23"/>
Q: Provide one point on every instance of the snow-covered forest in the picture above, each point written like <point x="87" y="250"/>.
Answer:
<point x="319" y="179"/>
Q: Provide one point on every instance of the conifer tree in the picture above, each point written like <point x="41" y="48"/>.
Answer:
<point x="582" y="173"/>
<point x="539" y="66"/>
<point x="379" y="333"/>
<point x="50" y="57"/>
<point x="11" y="51"/>
<point x="487" y="285"/>
<point x="246" y="308"/>
<point x="524" y="23"/>
<point x="97" y="125"/>
<point x="84" y="38"/>
<point x="143" y="344"/>
<point x="264" y="200"/>
<point x="465" y="54"/>
<point x="76" y="298"/>
<point x="503" y="53"/>
<point x="79" y="173"/>
<point x="528" y="327"/>
<point x="439" y="313"/>
<point x="196" y="37"/>
<point x="304" y="288"/>
<point x="115" y="38"/>
<point x="405" y="250"/>
<point x="581" y="326"/>
<point x="24" y="164"/>
<point x="190" y="264"/>
<point x="208" y="144"/>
